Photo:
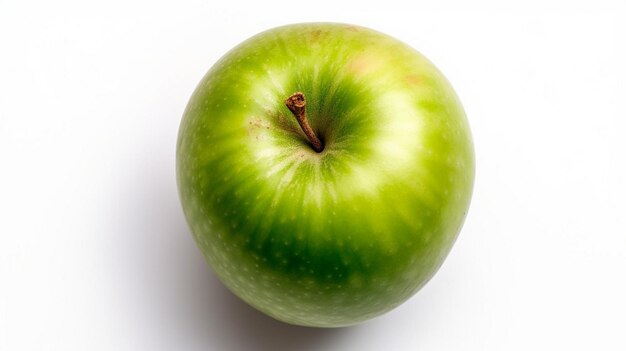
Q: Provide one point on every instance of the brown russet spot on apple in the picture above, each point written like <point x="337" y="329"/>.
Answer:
<point x="255" y="127"/>
<point x="258" y="123"/>
<point x="413" y="79"/>
<point x="316" y="35"/>
<point x="363" y="64"/>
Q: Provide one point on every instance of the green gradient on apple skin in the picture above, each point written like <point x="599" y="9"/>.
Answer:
<point x="333" y="238"/>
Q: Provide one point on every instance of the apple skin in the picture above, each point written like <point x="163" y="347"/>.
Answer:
<point x="333" y="238"/>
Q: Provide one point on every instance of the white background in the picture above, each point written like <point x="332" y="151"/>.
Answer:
<point x="94" y="250"/>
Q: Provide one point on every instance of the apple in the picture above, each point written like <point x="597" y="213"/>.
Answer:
<point x="325" y="171"/>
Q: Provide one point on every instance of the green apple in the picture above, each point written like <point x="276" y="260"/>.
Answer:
<point x="325" y="171"/>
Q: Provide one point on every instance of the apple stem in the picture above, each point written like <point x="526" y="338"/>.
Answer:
<point x="297" y="105"/>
